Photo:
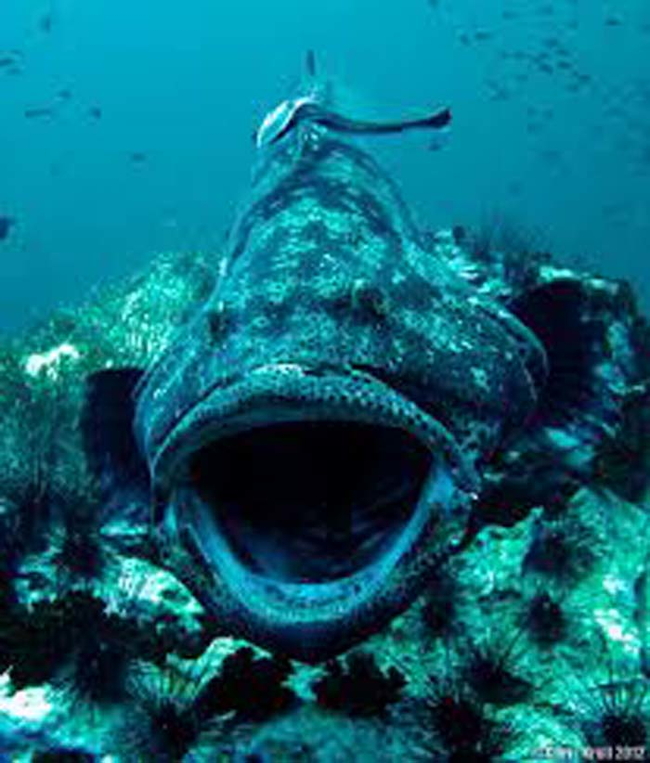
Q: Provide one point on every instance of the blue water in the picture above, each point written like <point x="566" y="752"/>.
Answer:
<point x="150" y="147"/>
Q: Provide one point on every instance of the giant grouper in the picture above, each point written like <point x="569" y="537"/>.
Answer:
<point x="318" y="437"/>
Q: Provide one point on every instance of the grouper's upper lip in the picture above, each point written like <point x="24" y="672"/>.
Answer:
<point x="278" y="392"/>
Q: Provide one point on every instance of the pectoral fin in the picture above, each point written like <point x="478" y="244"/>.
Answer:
<point x="109" y="442"/>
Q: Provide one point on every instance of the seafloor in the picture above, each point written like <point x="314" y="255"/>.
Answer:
<point x="531" y="644"/>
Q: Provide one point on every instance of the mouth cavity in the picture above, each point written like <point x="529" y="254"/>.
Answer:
<point x="311" y="501"/>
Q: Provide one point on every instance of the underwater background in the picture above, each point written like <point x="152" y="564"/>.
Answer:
<point x="125" y="127"/>
<point x="520" y="630"/>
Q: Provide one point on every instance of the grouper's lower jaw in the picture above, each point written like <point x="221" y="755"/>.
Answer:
<point x="317" y="515"/>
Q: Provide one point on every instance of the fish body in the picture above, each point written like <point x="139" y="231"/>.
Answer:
<point x="313" y="435"/>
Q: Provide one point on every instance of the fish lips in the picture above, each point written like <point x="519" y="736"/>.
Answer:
<point x="318" y="503"/>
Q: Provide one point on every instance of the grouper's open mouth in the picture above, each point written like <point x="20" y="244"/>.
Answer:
<point x="304" y="494"/>
<point x="311" y="501"/>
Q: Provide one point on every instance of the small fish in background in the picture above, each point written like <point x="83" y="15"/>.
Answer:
<point x="11" y="61"/>
<point x="46" y="22"/>
<point x="138" y="157"/>
<point x="65" y="94"/>
<point x="39" y="112"/>
<point x="613" y="20"/>
<point x="482" y="35"/>
<point x="8" y="59"/>
<point x="6" y="224"/>
<point x="95" y="112"/>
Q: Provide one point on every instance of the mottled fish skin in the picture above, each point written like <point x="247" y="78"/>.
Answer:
<point x="328" y="309"/>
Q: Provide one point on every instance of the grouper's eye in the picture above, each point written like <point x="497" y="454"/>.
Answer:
<point x="311" y="501"/>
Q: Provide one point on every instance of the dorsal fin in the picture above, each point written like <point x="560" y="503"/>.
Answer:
<point x="311" y="82"/>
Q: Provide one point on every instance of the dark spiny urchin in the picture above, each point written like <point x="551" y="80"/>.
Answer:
<point x="623" y="720"/>
<point x="614" y="713"/>
<point x="105" y="643"/>
<point x="498" y="233"/>
<point x="563" y="550"/>
<point x="32" y="643"/>
<point x="38" y="433"/>
<point x="103" y="646"/>
<point x="80" y="554"/>
<point x="166" y="724"/>
<point x="459" y="727"/>
<point x="27" y="454"/>
<point x="179" y="707"/>
<point x="171" y="714"/>
<point x="545" y="620"/>
<point x="75" y="642"/>
<point x="253" y="687"/>
<point x="359" y="688"/>
<point x="491" y="672"/>
<point x="35" y="508"/>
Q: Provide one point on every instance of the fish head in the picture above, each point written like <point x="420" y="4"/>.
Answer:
<point x="314" y="435"/>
